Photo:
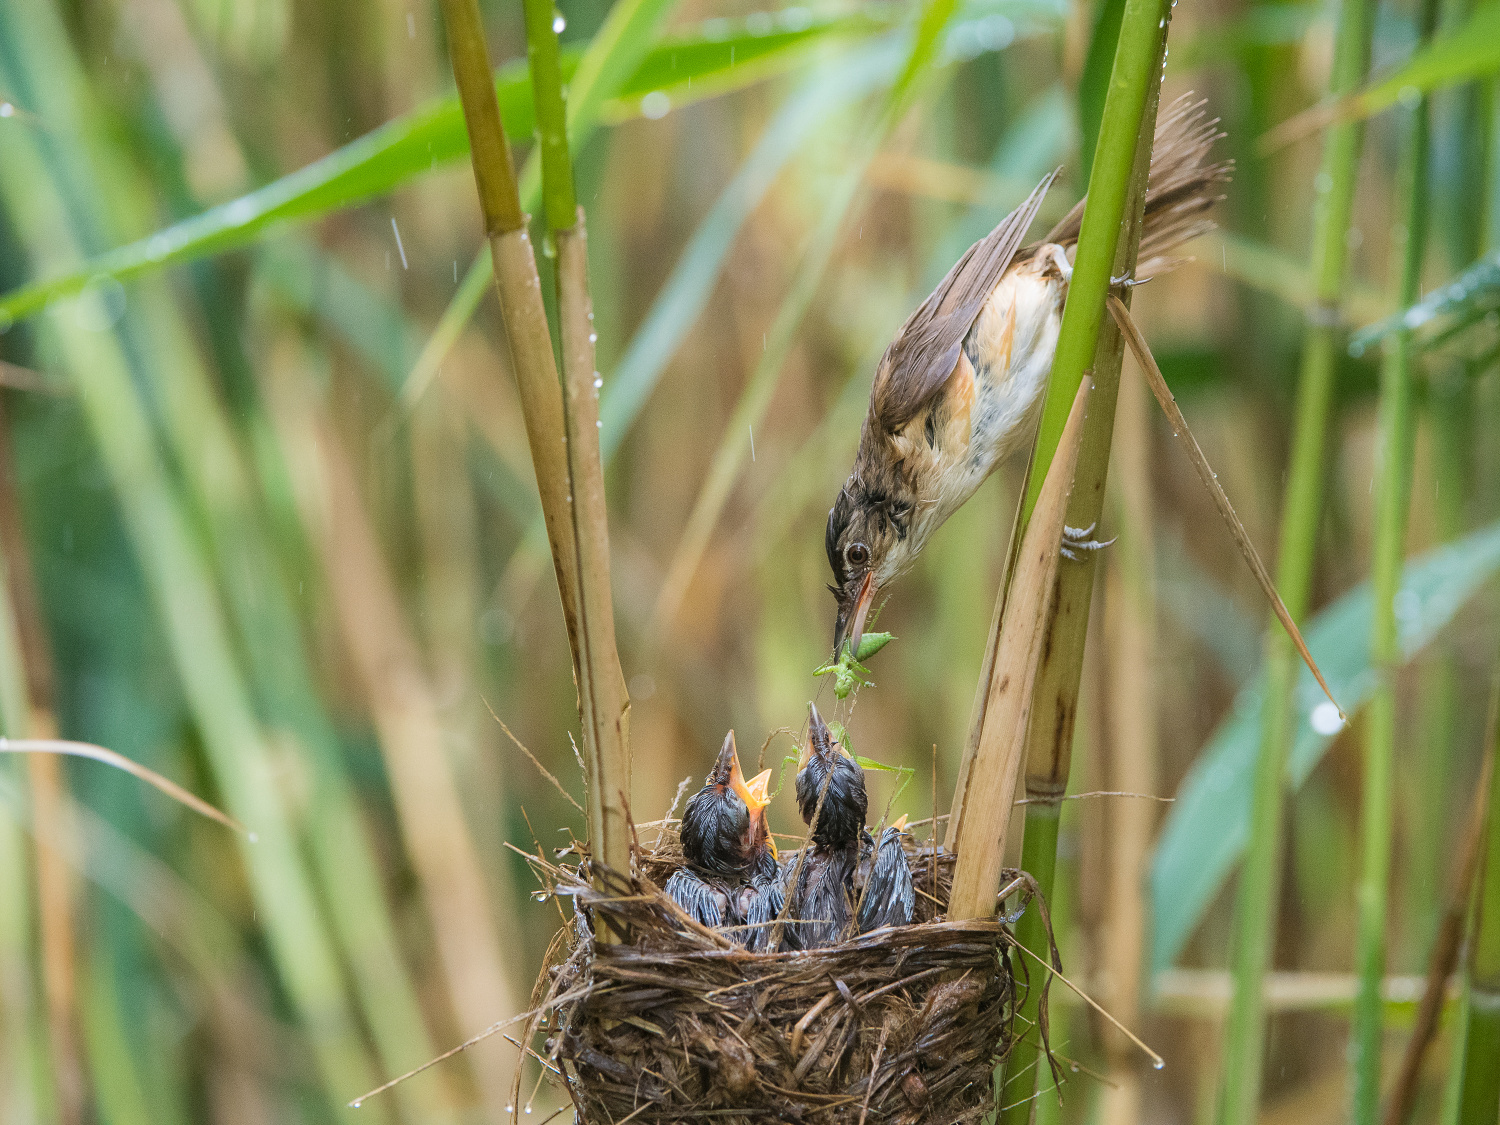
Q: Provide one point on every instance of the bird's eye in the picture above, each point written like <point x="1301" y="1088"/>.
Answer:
<point x="857" y="554"/>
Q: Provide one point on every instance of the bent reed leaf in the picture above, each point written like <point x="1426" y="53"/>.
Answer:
<point x="120" y="762"/>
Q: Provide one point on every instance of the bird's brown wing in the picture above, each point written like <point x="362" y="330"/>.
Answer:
<point x="925" y="351"/>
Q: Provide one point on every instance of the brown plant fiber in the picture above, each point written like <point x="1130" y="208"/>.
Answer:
<point x="674" y="1023"/>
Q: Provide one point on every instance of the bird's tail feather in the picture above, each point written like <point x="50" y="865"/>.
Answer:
<point x="1183" y="185"/>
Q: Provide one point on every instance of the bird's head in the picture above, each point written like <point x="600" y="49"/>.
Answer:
<point x="724" y="824"/>
<point x="844" y="807"/>
<point x="868" y="545"/>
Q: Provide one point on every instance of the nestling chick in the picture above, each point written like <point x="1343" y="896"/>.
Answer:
<point x="731" y="876"/>
<point x="888" y="896"/>
<point x="822" y="899"/>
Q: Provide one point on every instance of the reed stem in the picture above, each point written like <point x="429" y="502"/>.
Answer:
<point x="1255" y="908"/>
<point x="549" y="99"/>
<point x="997" y="765"/>
<point x="520" y="294"/>
<point x="1479" y="1078"/>
<point x="566" y="458"/>
<point x="1107" y="247"/>
<point x="31" y="715"/>
<point x="1396" y="452"/>
<point x="1479" y="1091"/>
<point x="1130" y="741"/>
<point x="606" y="703"/>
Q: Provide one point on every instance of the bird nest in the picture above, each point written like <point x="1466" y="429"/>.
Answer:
<point x="669" y="1021"/>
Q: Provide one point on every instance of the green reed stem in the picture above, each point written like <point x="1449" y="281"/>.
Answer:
<point x="1135" y="76"/>
<point x="1106" y="249"/>
<point x="1460" y="124"/>
<point x="605" y="702"/>
<point x="1255" y="907"/>
<point x="1479" y="1081"/>
<point x="1479" y="1084"/>
<point x="569" y="478"/>
<point x="547" y="95"/>
<point x="1396" y="452"/>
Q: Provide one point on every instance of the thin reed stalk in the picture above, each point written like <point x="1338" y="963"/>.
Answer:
<point x="1476" y="1086"/>
<point x="1459" y="124"/>
<point x="605" y="701"/>
<point x="1395" y="454"/>
<point x="992" y="779"/>
<point x="34" y="717"/>
<point x="1129" y="736"/>
<point x="565" y="470"/>
<point x="1255" y="905"/>
<point x="520" y="292"/>
<point x="1450" y="932"/>
<point x="1479" y="1091"/>
<point x="1107" y="247"/>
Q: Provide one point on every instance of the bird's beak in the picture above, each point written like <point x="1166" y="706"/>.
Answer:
<point x="727" y="766"/>
<point x="852" y="614"/>
<point x="754" y="794"/>
<point x="900" y="823"/>
<point x="817" y="731"/>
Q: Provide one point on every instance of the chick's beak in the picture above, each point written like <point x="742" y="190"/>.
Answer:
<point x="754" y="794"/>
<point x="817" y="735"/>
<point x="852" y="613"/>
<point x="727" y="765"/>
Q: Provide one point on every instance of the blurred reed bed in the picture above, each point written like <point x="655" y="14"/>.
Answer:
<point x="287" y="549"/>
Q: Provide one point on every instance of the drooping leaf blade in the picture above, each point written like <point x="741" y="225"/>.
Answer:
<point x="1206" y="830"/>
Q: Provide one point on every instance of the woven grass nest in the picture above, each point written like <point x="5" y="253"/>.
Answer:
<point x="673" y="1023"/>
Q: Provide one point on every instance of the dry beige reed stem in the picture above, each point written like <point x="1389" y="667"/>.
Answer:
<point x="566" y="463"/>
<point x="601" y="684"/>
<point x="985" y="807"/>
<point x="1130" y="741"/>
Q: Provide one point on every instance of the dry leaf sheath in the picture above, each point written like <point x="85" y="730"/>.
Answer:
<point x="982" y="815"/>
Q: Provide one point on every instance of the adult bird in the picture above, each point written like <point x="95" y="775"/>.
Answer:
<point x="888" y="897"/>
<point x="960" y="387"/>
<point x="731" y="875"/>
<point x="831" y="797"/>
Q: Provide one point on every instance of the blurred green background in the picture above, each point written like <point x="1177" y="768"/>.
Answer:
<point x="269" y="526"/>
